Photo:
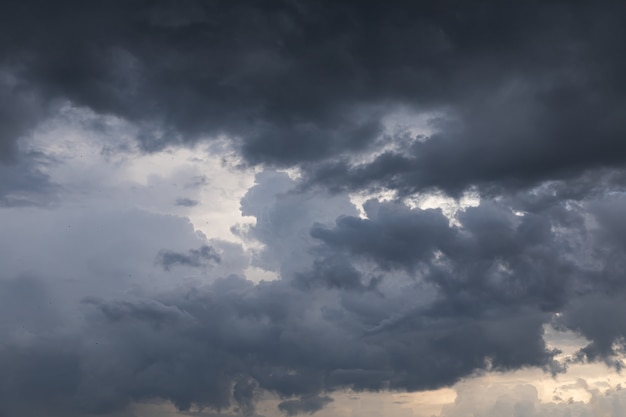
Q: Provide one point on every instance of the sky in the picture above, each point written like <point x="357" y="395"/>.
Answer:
<point x="306" y="207"/>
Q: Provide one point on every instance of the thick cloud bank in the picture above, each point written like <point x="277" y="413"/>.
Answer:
<point x="522" y="91"/>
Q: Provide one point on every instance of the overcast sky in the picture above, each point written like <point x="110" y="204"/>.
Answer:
<point x="345" y="208"/>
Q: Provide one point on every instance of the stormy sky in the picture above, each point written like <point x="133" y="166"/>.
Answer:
<point x="345" y="208"/>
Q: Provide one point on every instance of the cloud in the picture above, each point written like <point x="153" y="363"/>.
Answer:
<point x="194" y="258"/>
<point x="563" y="257"/>
<point x="23" y="181"/>
<point x="187" y="202"/>
<point x="307" y="405"/>
<point x="493" y="258"/>
<point x="22" y="107"/>
<point x="302" y="83"/>
<point x="283" y="219"/>
<point x="200" y="346"/>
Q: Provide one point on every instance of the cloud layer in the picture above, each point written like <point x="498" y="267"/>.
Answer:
<point x="524" y="91"/>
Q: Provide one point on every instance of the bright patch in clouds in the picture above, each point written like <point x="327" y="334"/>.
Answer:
<point x="202" y="183"/>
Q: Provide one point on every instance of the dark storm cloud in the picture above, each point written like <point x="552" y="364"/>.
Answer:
<point x="393" y="234"/>
<point x="333" y="272"/>
<point x="561" y="256"/>
<point x="606" y="335"/>
<point x="194" y="258"/>
<point x="217" y="347"/>
<point x="493" y="259"/>
<point x="525" y="91"/>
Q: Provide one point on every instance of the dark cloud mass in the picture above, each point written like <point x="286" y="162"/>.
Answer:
<point x="520" y="104"/>
<point x="523" y="91"/>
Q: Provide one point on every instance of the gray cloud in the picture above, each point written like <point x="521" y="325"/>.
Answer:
<point x="187" y="202"/>
<point x="555" y="259"/>
<point x="526" y="93"/>
<point x="283" y="219"/>
<point x="196" y="348"/>
<point x="24" y="183"/>
<point x="193" y="258"/>
<point x="22" y="107"/>
<point x="493" y="257"/>
<point x="307" y="405"/>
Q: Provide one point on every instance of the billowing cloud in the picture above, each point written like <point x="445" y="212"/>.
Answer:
<point x="525" y="92"/>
